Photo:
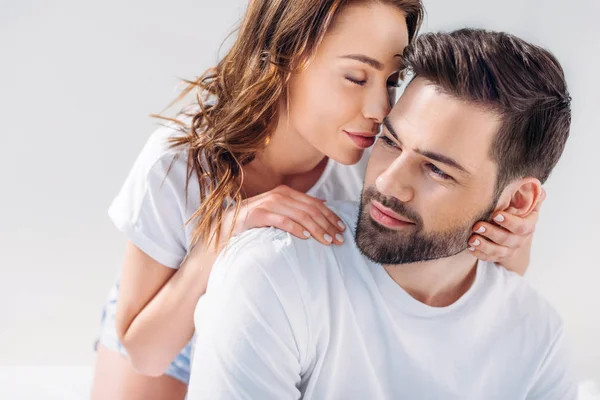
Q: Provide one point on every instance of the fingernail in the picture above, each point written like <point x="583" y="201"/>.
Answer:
<point x="499" y="218"/>
<point x="328" y="238"/>
<point x="471" y="248"/>
<point x="307" y="234"/>
<point x="476" y="243"/>
<point x="339" y="237"/>
<point x="481" y="229"/>
<point x="341" y="225"/>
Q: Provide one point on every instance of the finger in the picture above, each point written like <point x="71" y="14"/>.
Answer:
<point x="493" y="251"/>
<point x="319" y="203"/>
<point x="311" y="205"/>
<point x="479" y="254"/>
<point x="498" y="235"/>
<point x="515" y="224"/>
<point x="261" y="217"/>
<point x="331" y="217"/>
<point x="264" y="214"/>
<point x="286" y="224"/>
<point x="306" y="214"/>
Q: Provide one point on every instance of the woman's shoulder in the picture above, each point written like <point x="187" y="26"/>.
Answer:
<point x="159" y="173"/>
<point x="159" y="151"/>
<point x="155" y="201"/>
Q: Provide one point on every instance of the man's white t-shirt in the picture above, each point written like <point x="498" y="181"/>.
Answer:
<point x="285" y="318"/>
<point x="152" y="208"/>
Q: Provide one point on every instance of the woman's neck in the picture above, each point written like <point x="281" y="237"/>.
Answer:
<point x="288" y="159"/>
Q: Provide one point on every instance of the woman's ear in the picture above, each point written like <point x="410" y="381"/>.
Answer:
<point x="521" y="196"/>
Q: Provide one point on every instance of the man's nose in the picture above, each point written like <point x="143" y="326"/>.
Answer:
<point x="395" y="181"/>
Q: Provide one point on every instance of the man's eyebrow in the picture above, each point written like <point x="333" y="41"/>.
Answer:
<point x="378" y="65"/>
<point x="388" y="125"/>
<point x="443" y="159"/>
<point x="429" y="154"/>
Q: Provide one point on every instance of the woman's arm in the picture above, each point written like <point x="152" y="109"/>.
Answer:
<point x="156" y="303"/>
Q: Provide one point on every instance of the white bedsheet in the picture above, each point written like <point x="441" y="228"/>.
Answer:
<point x="74" y="382"/>
<point x="45" y="382"/>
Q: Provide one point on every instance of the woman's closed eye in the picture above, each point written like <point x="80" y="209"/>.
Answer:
<point x="361" y="82"/>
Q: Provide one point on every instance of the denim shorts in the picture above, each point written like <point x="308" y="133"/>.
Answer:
<point x="178" y="369"/>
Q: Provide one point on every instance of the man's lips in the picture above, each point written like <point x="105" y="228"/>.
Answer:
<point x="387" y="217"/>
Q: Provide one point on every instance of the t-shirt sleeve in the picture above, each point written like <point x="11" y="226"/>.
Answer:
<point x="250" y="325"/>
<point x="555" y="379"/>
<point x="150" y="206"/>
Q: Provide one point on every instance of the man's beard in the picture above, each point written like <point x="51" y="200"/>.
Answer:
<point x="412" y="243"/>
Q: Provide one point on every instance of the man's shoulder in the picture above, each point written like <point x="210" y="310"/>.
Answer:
<point x="273" y="246"/>
<point x="537" y="336"/>
<point x="285" y="259"/>
<point x="268" y="252"/>
<point x="260" y="249"/>
<point x="521" y="303"/>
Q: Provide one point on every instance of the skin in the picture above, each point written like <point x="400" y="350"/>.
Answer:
<point x="411" y="164"/>
<point x="337" y="92"/>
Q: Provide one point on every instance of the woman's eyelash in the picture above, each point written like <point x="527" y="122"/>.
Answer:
<point x="362" y="82"/>
<point x="356" y="81"/>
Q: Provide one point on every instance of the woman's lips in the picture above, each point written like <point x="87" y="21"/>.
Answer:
<point x="362" y="140"/>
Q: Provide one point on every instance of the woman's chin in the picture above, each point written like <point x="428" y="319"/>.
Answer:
<point x="347" y="157"/>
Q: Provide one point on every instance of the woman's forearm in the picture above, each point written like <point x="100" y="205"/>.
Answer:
<point x="166" y="324"/>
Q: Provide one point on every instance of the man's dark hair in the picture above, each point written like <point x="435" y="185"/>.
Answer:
<point x="523" y="83"/>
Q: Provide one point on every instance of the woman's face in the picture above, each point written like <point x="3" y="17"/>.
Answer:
<point x="338" y="102"/>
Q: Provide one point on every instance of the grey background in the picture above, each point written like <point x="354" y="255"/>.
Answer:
<point x="77" y="81"/>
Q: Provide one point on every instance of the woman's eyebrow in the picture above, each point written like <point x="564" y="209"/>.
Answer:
<point x="378" y="65"/>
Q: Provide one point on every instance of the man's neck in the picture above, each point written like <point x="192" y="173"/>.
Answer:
<point x="437" y="283"/>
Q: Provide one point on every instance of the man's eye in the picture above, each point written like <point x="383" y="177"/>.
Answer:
<point x="438" y="172"/>
<point x="356" y="81"/>
<point x="388" y="142"/>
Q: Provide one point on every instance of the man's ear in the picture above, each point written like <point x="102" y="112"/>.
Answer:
<point x="520" y="197"/>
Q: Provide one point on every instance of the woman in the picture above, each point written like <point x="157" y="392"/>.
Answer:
<point x="281" y="123"/>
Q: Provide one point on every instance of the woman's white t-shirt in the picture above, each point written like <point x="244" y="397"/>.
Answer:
<point x="152" y="207"/>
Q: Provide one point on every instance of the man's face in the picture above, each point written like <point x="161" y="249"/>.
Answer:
<point x="429" y="178"/>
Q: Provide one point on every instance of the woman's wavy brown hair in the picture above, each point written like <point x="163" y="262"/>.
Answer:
<point x="239" y="98"/>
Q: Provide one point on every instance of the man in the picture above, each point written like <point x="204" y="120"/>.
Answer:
<point x="407" y="311"/>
